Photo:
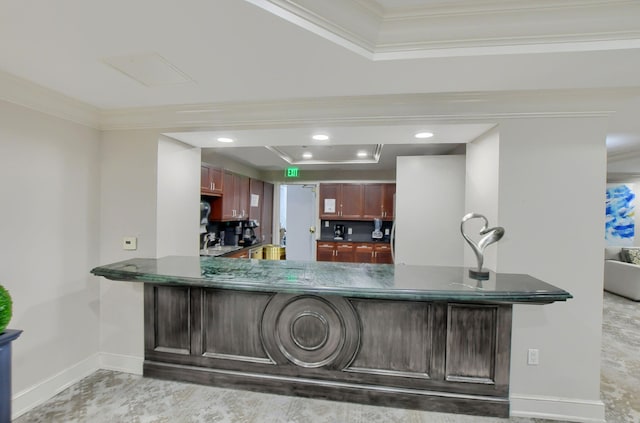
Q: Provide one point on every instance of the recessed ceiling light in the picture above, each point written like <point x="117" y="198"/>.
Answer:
<point x="423" y="135"/>
<point x="320" y="137"/>
<point x="307" y="155"/>
<point x="224" y="139"/>
<point x="362" y="154"/>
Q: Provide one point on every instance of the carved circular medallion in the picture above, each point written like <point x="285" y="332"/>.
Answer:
<point x="310" y="330"/>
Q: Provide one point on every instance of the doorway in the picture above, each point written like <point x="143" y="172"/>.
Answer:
<point x="298" y="220"/>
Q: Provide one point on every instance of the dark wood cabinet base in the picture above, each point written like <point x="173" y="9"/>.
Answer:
<point x="335" y="391"/>
<point x="429" y="355"/>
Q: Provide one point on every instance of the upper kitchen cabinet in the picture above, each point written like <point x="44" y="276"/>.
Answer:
<point x="351" y="201"/>
<point x="234" y="203"/>
<point x="357" y="201"/>
<point x="256" y="194"/>
<point x="210" y="180"/>
<point x="242" y="191"/>
<point x="341" y="201"/>
<point x="266" y="220"/>
<point x="378" y="201"/>
<point x="256" y="197"/>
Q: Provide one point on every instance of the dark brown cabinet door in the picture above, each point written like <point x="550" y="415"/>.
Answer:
<point x="388" y="193"/>
<point x="325" y="251"/>
<point x="372" y="201"/>
<point x="330" y="192"/>
<point x="225" y="207"/>
<point x="242" y="191"/>
<point x="256" y="197"/>
<point x="363" y="253"/>
<point x="351" y="201"/>
<point x="266" y="221"/>
<point x="382" y="254"/>
<point x="215" y="176"/>
<point x="210" y="180"/>
<point x="205" y="181"/>
<point x="344" y="252"/>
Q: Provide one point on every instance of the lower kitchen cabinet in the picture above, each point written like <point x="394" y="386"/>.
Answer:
<point x="363" y="253"/>
<point x="334" y="251"/>
<point x="356" y="252"/>
<point x="382" y="253"/>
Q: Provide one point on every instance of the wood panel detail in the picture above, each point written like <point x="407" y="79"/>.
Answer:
<point x="471" y="343"/>
<point x="396" y="338"/>
<point x="171" y="306"/>
<point x="439" y="356"/>
<point x="231" y="325"/>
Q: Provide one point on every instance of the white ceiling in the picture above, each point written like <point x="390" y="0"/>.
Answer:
<point x="264" y="148"/>
<point x="232" y="51"/>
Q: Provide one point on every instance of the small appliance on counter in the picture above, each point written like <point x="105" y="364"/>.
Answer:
<point x="248" y="234"/>
<point x="377" y="231"/>
<point x="338" y="232"/>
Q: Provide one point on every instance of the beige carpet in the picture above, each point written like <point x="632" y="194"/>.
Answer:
<point x="620" y="370"/>
<point x="113" y="397"/>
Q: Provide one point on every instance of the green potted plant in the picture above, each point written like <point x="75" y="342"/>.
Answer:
<point x="5" y="308"/>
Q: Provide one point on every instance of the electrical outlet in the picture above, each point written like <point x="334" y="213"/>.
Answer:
<point x="129" y="243"/>
<point x="533" y="357"/>
<point x="350" y="231"/>
<point x="326" y="223"/>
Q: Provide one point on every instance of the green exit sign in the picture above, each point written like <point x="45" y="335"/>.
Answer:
<point x="292" y="172"/>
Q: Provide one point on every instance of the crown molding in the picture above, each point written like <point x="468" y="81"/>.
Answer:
<point x="373" y="110"/>
<point x="329" y="24"/>
<point x="36" y="97"/>
<point x="490" y="7"/>
<point x="470" y="28"/>
<point x="486" y="107"/>
<point x="622" y="155"/>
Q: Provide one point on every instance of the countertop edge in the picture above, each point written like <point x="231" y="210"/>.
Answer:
<point x="472" y="297"/>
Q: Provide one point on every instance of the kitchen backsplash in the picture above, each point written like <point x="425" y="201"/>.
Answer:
<point x="361" y="230"/>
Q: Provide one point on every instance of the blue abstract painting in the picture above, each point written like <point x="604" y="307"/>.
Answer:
<point x="620" y="221"/>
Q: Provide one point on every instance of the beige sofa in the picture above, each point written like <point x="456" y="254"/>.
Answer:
<point x="620" y="277"/>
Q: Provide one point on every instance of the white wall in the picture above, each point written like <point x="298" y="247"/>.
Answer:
<point x="551" y="203"/>
<point x="49" y="240"/>
<point x="429" y="205"/>
<point x="481" y="193"/>
<point x="178" y="223"/>
<point x="128" y="198"/>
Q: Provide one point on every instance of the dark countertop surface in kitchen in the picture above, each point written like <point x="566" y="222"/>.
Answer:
<point x="221" y="251"/>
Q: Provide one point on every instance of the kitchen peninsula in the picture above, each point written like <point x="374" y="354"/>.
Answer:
<point x="424" y="337"/>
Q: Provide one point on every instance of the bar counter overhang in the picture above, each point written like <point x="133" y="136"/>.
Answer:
<point x="423" y="337"/>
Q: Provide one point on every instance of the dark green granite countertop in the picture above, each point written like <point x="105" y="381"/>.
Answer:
<point x="403" y="282"/>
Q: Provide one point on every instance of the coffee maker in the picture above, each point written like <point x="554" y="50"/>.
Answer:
<point x="249" y="235"/>
<point x="338" y="232"/>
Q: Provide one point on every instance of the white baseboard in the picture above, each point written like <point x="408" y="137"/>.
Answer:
<point x="553" y="408"/>
<point x="35" y="395"/>
<point x="121" y="363"/>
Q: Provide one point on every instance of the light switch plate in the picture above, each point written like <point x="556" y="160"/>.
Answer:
<point x="350" y="231"/>
<point x="129" y="243"/>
